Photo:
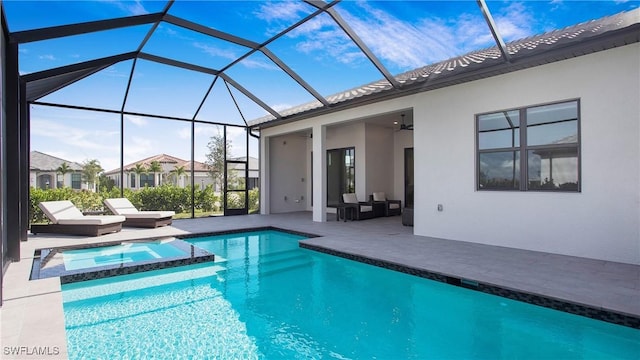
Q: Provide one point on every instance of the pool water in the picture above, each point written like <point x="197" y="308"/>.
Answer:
<point x="266" y="298"/>
<point x="118" y="254"/>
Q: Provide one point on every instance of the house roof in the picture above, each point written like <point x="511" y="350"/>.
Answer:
<point x="581" y="39"/>
<point x="40" y="161"/>
<point x="163" y="159"/>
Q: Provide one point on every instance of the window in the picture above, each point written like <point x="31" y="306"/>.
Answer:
<point x="341" y="173"/>
<point x="76" y="181"/>
<point x="133" y="180"/>
<point x="147" y="180"/>
<point x="533" y="148"/>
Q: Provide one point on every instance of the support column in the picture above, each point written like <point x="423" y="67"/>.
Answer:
<point x="12" y="157"/>
<point x="319" y="173"/>
<point x="264" y="175"/>
<point x="24" y="162"/>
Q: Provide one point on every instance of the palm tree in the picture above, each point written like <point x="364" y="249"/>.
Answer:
<point x="178" y="171"/>
<point x="155" y="168"/>
<point x="63" y="169"/>
<point x="90" y="171"/>
<point x="139" y="169"/>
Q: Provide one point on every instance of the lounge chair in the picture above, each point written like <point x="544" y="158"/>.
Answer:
<point x="136" y="218"/>
<point x="385" y="207"/>
<point x="361" y="210"/>
<point x="67" y="219"/>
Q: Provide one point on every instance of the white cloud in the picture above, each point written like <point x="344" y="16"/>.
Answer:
<point x="515" y="21"/>
<point x="129" y="7"/>
<point x="136" y="120"/>
<point x="321" y="38"/>
<point x="137" y="148"/>
<point x="47" y="57"/>
<point x="405" y="44"/>
<point x="231" y="55"/>
<point x="74" y="143"/>
<point x="257" y="64"/>
<point x="77" y="137"/>
<point x="216" y="51"/>
<point x="274" y="11"/>
<point x="200" y="131"/>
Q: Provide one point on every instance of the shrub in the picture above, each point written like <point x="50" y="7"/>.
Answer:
<point x="254" y="200"/>
<point x="165" y="197"/>
<point x="83" y="200"/>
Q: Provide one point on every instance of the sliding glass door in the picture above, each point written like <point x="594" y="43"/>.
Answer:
<point x="341" y="173"/>
<point x="408" y="177"/>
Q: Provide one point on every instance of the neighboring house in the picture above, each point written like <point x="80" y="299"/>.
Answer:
<point x="253" y="179"/>
<point x="168" y="164"/>
<point x="44" y="174"/>
<point x="538" y="151"/>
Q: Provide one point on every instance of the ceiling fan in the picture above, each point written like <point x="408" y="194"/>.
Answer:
<point x="404" y="126"/>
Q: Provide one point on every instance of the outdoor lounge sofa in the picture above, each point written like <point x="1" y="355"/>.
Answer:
<point x="360" y="210"/>
<point x="385" y="207"/>
<point x="136" y="218"/>
<point x="67" y="219"/>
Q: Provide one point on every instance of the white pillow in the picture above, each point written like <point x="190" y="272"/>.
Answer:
<point x="350" y="198"/>
<point x="379" y="196"/>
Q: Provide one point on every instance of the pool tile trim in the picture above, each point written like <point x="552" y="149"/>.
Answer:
<point x="518" y="295"/>
<point x="246" y="230"/>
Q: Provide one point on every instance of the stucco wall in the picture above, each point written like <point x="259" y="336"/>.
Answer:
<point x="600" y="222"/>
<point x="380" y="160"/>
<point x="288" y="169"/>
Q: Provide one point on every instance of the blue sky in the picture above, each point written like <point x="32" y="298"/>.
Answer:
<point x="403" y="34"/>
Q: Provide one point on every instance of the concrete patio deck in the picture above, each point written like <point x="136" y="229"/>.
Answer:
<point x="32" y="315"/>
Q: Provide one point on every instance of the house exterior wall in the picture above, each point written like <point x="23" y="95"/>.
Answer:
<point x="380" y="161"/>
<point x="601" y="222"/>
<point x="36" y="180"/>
<point x="288" y="185"/>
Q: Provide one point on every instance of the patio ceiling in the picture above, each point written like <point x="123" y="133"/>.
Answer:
<point x="255" y="62"/>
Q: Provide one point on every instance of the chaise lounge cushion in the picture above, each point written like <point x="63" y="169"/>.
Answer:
<point x="122" y="206"/>
<point x="93" y="220"/>
<point x="136" y="218"/>
<point x="65" y="218"/>
<point x="63" y="212"/>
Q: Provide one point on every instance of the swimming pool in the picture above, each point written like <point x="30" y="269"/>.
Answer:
<point x="266" y="298"/>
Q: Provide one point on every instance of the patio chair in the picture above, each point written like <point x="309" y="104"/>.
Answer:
<point x="67" y="219"/>
<point x="136" y="218"/>
<point x="361" y="210"/>
<point x="385" y="207"/>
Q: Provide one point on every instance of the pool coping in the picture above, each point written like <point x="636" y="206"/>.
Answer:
<point x="571" y="307"/>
